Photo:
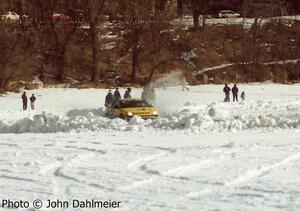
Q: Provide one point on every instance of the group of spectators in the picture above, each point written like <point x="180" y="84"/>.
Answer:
<point x="148" y="94"/>
<point x="110" y="97"/>
<point x="234" y="91"/>
<point x="25" y="101"/>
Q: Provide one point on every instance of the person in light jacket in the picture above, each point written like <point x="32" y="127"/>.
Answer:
<point x="109" y="99"/>
<point x="32" y="100"/>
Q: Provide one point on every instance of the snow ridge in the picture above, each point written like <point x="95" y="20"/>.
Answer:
<point x="214" y="117"/>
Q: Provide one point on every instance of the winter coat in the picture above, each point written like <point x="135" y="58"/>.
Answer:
<point x="117" y="95"/>
<point x="235" y="90"/>
<point x="24" y="98"/>
<point x="226" y="89"/>
<point x="127" y="95"/>
<point x="243" y="96"/>
<point x="32" y="99"/>
<point x="109" y="99"/>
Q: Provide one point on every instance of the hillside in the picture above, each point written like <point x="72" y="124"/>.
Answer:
<point x="222" y="50"/>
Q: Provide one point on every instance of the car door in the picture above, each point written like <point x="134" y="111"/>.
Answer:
<point x="116" y="108"/>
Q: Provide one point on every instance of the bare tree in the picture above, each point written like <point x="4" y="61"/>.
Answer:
<point x="157" y="38"/>
<point x="199" y="7"/>
<point x="93" y="11"/>
<point x="40" y="16"/>
<point x="12" y="41"/>
<point x="133" y="28"/>
<point x="63" y="32"/>
<point x="179" y="8"/>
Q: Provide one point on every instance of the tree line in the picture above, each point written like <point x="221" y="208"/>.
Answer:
<point x="46" y="40"/>
<point x="142" y="25"/>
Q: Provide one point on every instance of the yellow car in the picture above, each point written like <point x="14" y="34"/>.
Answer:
<point x="127" y="108"/>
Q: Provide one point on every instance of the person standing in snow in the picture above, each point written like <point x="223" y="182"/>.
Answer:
<point x="24" y="100"/>
<point x="226" y="90"/>
<point x="235" y="91"/>
<point x="117" y="94"/>
<point x="32" y="100"/>
<point x="109" y="99"/>
<point x="243" y="96"/>
<point x="127" y="93"/>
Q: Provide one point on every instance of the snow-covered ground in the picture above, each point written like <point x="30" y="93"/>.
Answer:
<point x="202" y="154"/>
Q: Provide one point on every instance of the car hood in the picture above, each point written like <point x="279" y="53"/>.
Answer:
<point x="140" y="110"/>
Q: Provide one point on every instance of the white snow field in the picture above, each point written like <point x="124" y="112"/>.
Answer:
<point x="202" y="154"/>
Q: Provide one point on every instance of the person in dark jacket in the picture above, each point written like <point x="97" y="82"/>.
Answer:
<point x="32" y="100"/>
<point x="24" y="100"/>
<point x="117" y="94"/>
<point x="127" y="93"/>
<point x="226" y="90"/>
<point x="235" y="91"/>
<point x="243" y="96"/>
<point x="109" y="99"/>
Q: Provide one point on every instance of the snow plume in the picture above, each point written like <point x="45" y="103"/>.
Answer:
<point x="214" y="117"/>
<point x="174" y="78"/>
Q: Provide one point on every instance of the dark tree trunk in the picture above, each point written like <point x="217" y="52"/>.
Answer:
<point x="135" y="48"/>
<point x="61" y="66"/>
<point x="151" y="75"/>
<point x="62" y="51"/>
<point x="162" y="4"/>
<point x="203" y="21"/>
<point x="196" y="14"/>
<point x="196" y="21"/>
<point x="1" y="84"/>
<point x="94" y="41"/>
<point x="41" y="71"/>
<point x="179" y="8"/>
<point x="94" y="11"/>
<point x="134" y="62"/>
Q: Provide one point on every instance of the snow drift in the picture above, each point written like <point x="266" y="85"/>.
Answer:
<point x="214" y="117"/>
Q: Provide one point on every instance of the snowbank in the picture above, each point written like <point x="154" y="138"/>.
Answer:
<point x="214" y="117"/>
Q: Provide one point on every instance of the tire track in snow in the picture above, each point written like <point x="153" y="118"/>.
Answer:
<point x="20" y="179"/>
<point x="143" y="160"/>
<point x="179" y="171"/>
<point x="252" y="174"/>
<point x="59" y="164"/>
<point x="248" y="176"/>
<point x="55" y="171"/>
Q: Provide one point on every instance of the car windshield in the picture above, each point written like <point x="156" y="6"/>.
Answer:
<point x="133" y="103"/>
